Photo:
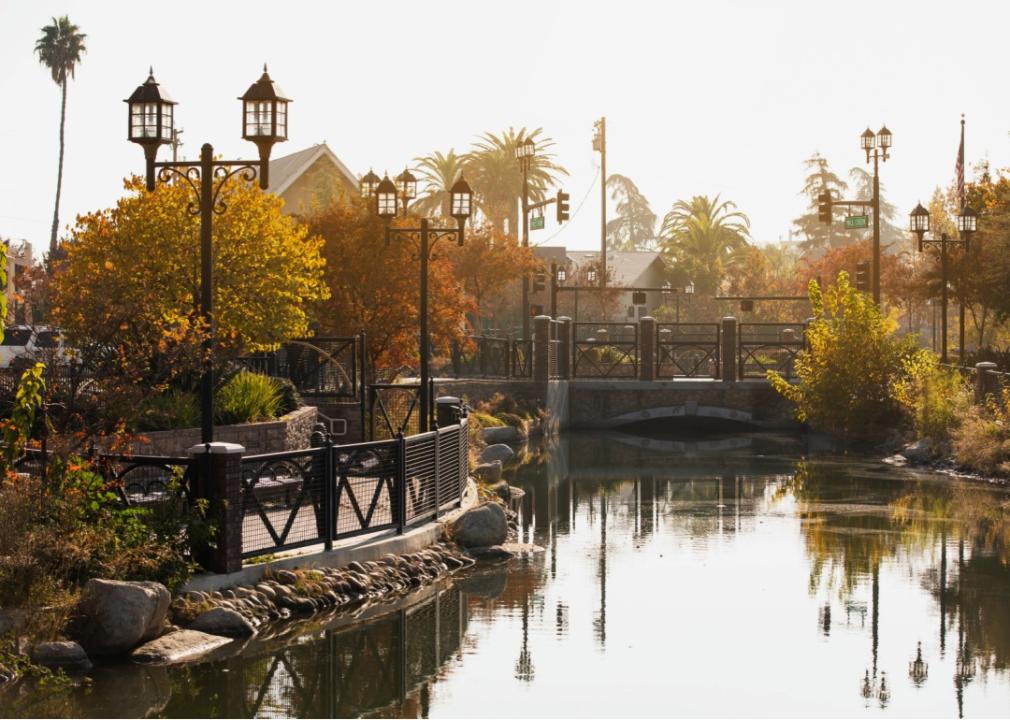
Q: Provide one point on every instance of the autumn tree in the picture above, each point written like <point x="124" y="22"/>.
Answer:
<point x="128" y="291"/>
<point x="490" y="264"/>
<point x="374" y="286"/>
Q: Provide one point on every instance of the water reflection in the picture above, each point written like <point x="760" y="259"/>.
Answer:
<point x="677" y="578"/>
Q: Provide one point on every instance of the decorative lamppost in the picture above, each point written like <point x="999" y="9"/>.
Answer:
<point x="368" y="184"/>
<point x="966" y="224"/>
<point x="426" y="237"/>
<point x="525" y="152"/>
<point x="877" y="147"/>
<point x="406" y="188"/>
<point x="151" y="124"/>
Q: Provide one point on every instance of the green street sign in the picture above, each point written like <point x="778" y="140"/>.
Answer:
<point x="855" y="222"/>
<point x="537" y="223"/>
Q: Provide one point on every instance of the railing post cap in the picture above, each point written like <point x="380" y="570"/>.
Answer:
<point x="447" y="400"/>
<point x="216" y="448"/>
<point x="729" y="318"/>
<point x="985" y="365"/>
<point x="541" y="318"/>
<point x="647" y="317"/>
<point x="564" y="318"/>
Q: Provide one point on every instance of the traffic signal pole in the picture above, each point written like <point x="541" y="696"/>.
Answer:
<point x="876" y="230"/>
<point x="526" y="243"/>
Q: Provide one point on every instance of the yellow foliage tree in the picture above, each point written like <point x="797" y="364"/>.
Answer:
<point x="129" y="287"/>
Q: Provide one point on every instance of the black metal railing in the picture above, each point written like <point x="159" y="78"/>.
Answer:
<point x="769" y="346"/>
<point x="329" y="367"/>
<point x="482" y="357"/>
<point x="687" y="350"/>
<point x="605" y="350"/>
<point x="320" y="495"/>
<point x="394" y="409"/>
<point x="522" y="358"/>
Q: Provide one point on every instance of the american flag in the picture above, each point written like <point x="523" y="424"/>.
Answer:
<point x="959" y="168"/>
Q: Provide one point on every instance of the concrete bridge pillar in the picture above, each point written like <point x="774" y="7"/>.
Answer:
<point x="541" y="348"/>
<point x="986" y="383"/>
<point x="564" y="330"/>
<point x="728" y="350"/>
<point x="647" y="348"/>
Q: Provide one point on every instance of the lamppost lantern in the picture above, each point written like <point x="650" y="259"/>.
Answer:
<point x="867" y="140"/>
<point x="151" y="120"/>
<point x="385" y="199"/>
<point x="368" y="184"/>
<point x="591" y="276"/>
<point x="884" y="138"/>
<point x="406" y="185"/>
<point x="562" y="275"/>
<point x="460" y="204"/>
<point x="526" y="149"/>
<point x="967" y="221"/>
<point x="689" y="288"/>
<point x="919" y="222"/>
<point x="264" y="118"/>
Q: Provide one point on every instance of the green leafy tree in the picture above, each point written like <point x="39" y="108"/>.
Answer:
<point x="702" y="237"/>
<point x="497" y="177"/>
<point x="852" y="364"/>
<point x="817" y="236"/>
<point x="60" y="49"/>
<point x="634" y="228"/>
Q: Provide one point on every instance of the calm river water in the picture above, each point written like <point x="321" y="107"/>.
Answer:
<point x="721" y="577"/>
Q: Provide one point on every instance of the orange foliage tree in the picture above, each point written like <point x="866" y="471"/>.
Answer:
<point x="374" y="286"/>
<point x="128" y="290"/>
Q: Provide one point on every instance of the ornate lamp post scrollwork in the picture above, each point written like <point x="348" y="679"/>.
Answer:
<point x="151" y="125"/>
<point x="425" y="237"/>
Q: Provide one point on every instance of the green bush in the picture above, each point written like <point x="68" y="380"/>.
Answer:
<point x="853" y="362"/>
<point x="168" y="410"/>
<point x="247" y="397"/>
<point x="935" y="398"/>
<point x="291" y="400"/>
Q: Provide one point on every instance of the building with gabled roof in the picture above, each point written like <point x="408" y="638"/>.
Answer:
<point x="311" y="177"/>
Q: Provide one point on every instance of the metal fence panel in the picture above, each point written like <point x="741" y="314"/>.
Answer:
<point x="421" y="475"/>
<point x="769" y="346"/>
<point x="687" y="350"/>
<point x="605" y="350"/>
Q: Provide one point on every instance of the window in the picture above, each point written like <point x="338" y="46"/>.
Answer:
<point x="631" y="311"/>
<point x="16" y="337"/>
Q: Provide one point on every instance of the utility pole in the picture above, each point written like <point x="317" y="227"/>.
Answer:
<point x="176" y="143"/>
<point x="600" y="144"/>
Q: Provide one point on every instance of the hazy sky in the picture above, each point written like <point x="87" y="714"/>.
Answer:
<point x="700" y="97"/>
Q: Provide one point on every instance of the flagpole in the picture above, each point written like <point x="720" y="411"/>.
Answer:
<point x="960" y="193"/>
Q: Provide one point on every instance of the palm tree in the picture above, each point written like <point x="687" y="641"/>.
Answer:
<point x="60" y="49"/>
<point x="497" y="177"/>
<point x="438" y="172"/>
<point x="702" y="237"/>
<point x="634" y="228"/>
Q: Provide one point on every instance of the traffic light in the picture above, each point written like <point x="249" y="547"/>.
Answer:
<point x="863" y="276"/>
<point x="824" y="207"/>
<point x="539" y="281"/>
<point x="563" y="207"/>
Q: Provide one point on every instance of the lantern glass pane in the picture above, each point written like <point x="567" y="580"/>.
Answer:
<point x="144" y="121"/>
<point x="282" y="120"/>
<point x="258" y="118"/>
<point x="387" y="204"/>
<point x="460" y="205"/>
<point x="166" y="121"/>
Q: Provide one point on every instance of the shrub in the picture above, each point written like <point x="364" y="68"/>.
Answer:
<point x="935" y="398"/>
<point x="485" y="419"/>
<point x="291" y="400"/>
<point x="168" y="410"/>
<point x="982" y="441"/>
<point x="247" y="397"/>
<point x="847" y="374"/>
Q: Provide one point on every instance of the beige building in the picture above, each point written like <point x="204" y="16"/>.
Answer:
<point x="310" y="178"/>
<point x="19" y="259"/>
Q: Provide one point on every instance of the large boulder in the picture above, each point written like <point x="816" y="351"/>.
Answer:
<point x="920" y="451"/>
<point x="501" y="434"/>
<point x="114" y="616"/>
<point x="499" y="452"/>
<point x="481" y="526"/>
<point x="223" y="621"/>
<point x="489" y="472"/>
<point x="66" y="655"/>
<point x="178" y="646"/>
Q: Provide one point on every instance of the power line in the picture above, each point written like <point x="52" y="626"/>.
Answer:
<point x="574" y="214"/>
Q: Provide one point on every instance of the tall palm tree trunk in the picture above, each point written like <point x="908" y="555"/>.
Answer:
<point x="59" y="173"/>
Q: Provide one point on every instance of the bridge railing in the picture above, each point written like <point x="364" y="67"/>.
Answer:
<point x="605" y="350"/>
<point x="764" y="346"/>
<point x="687" y="350"/>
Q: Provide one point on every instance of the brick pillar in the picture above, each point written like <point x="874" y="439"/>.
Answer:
<point x="728" y="350"/>
<point x="541" y="348"/>
<point x="986" y="384"/>
<point x="647" y="348"/>
<point x="565" y="348"/>
<point x="218" y="479"/>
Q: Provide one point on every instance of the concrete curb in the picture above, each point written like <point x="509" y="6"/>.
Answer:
<point x="372" y="547"/>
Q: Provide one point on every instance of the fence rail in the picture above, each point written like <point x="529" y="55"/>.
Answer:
<point x="769" y="346"/>
<point x="320" y="495"/>
<point x="687" y="350"/>
<point x="522" y="358"/>
<point x="330" y="367"/>
<point x="605" y="350"/>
